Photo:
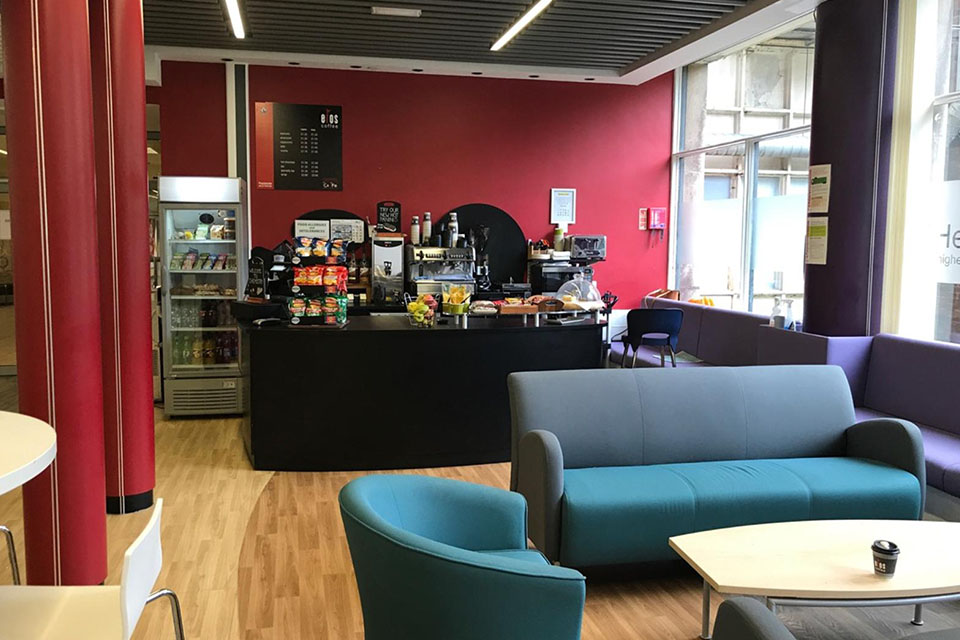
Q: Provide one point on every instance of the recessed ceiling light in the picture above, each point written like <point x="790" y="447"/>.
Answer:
<point x="356" y="66"/>
<point x="150" y="151"/>
<point x="520" y="24"/>
<point x="589" y="79"/>
<point x="396" y="11"/>
<point x="295" y="64"/>
<point x="477" y="73"/>
<point x="418" y="70"/>
<point x="534" y="76"/>
<point x="236" y="20"/>
<point x="3" y="152"/>
<point x="226" y="59"/>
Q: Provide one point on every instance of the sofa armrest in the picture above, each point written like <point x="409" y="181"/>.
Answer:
<point x="894" y="441"/>
<point x="747" y="619"/>
<point x="540" y="480"/>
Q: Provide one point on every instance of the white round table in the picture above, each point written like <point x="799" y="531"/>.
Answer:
<point x="27" y="446"/>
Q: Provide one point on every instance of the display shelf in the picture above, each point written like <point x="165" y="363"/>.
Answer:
<point x="203" y="271"/>
<point x="200" y="367"/>
<point x="196" y="297"/>
<point x="179" y="241"/>
<point x="195" y="329"/>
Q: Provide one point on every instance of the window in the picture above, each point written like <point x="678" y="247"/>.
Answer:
<point x="742" y="173"/>
<point x="922" y="283"/>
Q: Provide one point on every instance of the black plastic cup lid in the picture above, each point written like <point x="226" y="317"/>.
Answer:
<point x="885" y="546"/>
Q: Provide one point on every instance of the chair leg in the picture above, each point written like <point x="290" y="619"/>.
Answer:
<point x="633" y="365"/>
<point x="174" y="609"/>
<point x="662" y="361"/>
<point x="12" y="553"/>
<point x="673" y="357"/>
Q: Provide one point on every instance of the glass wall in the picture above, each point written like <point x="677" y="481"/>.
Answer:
<point x="742" y="173"/>
<point x="924" y="227"/>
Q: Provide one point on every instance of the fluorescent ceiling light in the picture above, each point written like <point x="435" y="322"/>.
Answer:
<point x="524" y="20"/>
<point x="150" y="152"/>
<point x="3" y="151"/>
<point x="236" y="21"/>
<point x="395" y="11"/>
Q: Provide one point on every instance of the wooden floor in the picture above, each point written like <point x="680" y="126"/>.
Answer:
<point x="256" y="555"/>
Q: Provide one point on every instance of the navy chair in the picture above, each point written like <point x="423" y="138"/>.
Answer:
<point x="439" y="559"/>
<point x="652" y="328"/>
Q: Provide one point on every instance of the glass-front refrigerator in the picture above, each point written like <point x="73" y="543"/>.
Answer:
<point x="203" y="228"/>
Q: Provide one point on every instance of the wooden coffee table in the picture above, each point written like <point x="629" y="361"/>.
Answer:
<point x="826" y="563"/>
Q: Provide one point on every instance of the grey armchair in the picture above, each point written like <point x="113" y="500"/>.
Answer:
<point x="748" y="619"/>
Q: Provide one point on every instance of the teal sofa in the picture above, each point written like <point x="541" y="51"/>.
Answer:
<point x="613" y="462"/>
<point x="437" y="559"/>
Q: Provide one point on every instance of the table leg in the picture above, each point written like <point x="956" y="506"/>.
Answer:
<point x="705" y="623"/>
<point x="917" y="615"/>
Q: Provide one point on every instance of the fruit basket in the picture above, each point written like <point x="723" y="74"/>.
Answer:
<point x="422" y="311"/>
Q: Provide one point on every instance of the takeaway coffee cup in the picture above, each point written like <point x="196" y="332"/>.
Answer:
<point x="885" y="555"/>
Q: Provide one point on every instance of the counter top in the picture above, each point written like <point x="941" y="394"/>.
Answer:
<point x="399" y="322"/>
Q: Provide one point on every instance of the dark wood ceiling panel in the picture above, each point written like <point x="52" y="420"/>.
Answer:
<point x="589" y="34"/>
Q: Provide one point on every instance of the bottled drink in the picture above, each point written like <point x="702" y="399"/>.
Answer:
<point x="209" y="350"/>
<point x="454" y="225"/>
<point x="415" y="231"/>
<point x="427" y="231"/>
<point x="197" y="352"/>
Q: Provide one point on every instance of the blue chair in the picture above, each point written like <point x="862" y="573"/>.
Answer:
<point x="439" y="559"/>
<point x="654" y="328"/>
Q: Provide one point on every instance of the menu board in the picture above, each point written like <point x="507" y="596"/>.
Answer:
<point x="299" y="146"/>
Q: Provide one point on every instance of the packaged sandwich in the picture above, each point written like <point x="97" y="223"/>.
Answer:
<point x="203" y="231"/>
<point x="297" y="307"/>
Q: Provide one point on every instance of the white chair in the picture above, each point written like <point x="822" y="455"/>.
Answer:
<point x="81" y="613"/>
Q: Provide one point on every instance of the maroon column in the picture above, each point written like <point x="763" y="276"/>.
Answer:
<point x="119" y="99"/>
<point x="46" y="45"/>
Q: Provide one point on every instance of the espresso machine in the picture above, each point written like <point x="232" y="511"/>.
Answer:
<point x="429" y="268"/>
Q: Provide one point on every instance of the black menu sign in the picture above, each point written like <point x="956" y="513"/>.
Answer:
<point x="388" y="216"/>
<point x="256" y="279"/>
<point x="299" y="146"/>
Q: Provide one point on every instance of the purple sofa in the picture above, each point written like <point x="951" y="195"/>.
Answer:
<point x="915" y="380"/>
<point x="718" y="337"/>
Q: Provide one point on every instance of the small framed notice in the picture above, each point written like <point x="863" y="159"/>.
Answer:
<point x="563" y="206"/>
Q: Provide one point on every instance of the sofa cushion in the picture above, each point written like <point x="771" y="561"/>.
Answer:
<point x="523" y="555"/>
<point x="914" y="380"/>
<point x="729" y="338"/>
<point x="613" y="515"/>
<point x="689" y="338"/>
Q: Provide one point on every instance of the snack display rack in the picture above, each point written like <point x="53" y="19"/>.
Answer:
<point x="320" y="283"/>
<point x="203" y="258"/>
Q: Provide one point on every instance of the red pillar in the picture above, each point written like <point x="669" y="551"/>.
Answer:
<point x="46" y="45"/>
<point x="119" y="100"/>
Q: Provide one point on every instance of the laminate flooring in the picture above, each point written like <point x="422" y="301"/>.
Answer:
<point x="257" y="555"/>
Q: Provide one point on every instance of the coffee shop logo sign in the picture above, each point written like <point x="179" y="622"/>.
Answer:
<point x="329" y="120"/>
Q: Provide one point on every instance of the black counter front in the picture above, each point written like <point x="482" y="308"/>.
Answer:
<point x="380" y="394"/>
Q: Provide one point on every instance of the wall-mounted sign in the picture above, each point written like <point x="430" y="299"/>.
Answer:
<point x="311" y="229"/>
<point x="816" y="249"/>
<point x="563" y="206"/>
<point x="299" y="146"/>
<point x="350" y="230"/>
<point x="818" y="191"/>
<point x="388" y="216"/>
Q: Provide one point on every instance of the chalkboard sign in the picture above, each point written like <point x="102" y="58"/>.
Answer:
<point x="256" y="279"/>
<point x="299" y="146"/>
<point x="388" y="216"/>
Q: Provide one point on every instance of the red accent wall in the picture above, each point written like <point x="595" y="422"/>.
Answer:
<point x="193" y="118"/>
<point x="434" y="143"/>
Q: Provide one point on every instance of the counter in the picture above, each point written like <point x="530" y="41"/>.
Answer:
<point x="380" y="394"/>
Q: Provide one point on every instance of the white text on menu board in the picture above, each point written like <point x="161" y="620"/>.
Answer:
<point x="306" y="144"/>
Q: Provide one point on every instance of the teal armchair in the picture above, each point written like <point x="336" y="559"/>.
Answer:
<point x="441" y="559"/>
